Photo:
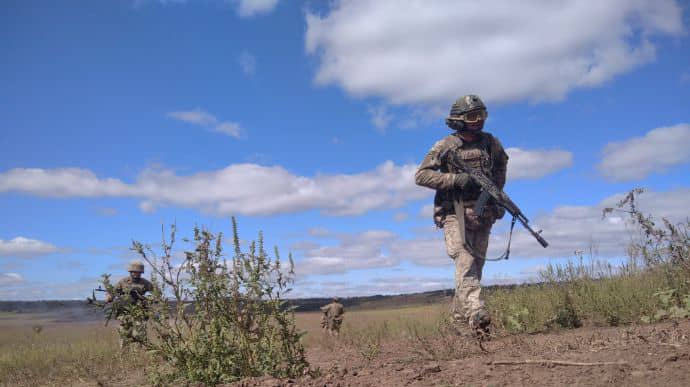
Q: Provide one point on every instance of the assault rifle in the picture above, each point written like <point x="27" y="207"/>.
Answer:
<point x="491" y="193"/>
<point x="93" y="299"/>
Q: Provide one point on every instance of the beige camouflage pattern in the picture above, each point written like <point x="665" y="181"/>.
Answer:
<point x="487" y="155"/>
<point x="468" y="269"/>
<point x="128" y="285"/>
<point x="131" y="329"/>
<point x="332" y="317"/>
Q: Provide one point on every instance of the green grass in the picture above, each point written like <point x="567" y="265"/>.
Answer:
<point x="52" y="354"/>
<point x="593" y="294"/>
<point x="577" y="293"/>
<point x="82" y="353"/>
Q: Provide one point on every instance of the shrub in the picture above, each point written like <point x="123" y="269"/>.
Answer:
<point x="653" y="285"/>
<point x="212" y="320"/>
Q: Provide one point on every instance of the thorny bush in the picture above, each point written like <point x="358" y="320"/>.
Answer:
<point x="212" y="320"/>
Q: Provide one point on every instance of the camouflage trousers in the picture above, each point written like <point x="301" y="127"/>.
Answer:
<point x="331" y="325"/>
<point x="468" y="269"/>
<point x="131" y="331"/>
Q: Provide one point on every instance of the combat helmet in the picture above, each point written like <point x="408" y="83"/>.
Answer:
<point x="470" y="103"/>
<point x="135" y="266"/>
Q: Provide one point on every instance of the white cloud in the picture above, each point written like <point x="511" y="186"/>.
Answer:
<point x="567" y="229"/>
<point x="408" y="51"/>
<point x="18" y="289"/>
<point x="201" y="118"/>
<point x="427" y="211"/>
<point x="196" y="117"/>
<point x="251" y="189"/>
<point x="25" y="248"/>
<point x="7" y="279"/>
<point x="249" y="8"/>
<point x="353" y="251"/>
<point x="638" y="157"/>
<point x="248" y="63"/>
<point x="571" y="228"/>
<point x="380" y="117"/>
<point x="533" y="164"/>
<point x="61" y="182"/>
<point x="232" y="129"/>
<point x="247" y="189"/>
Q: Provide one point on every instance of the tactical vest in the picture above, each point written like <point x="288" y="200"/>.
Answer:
<point x="135" y="290"/>
<point x="476" y="155"/>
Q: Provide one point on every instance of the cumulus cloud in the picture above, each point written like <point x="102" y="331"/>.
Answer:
<point x="410" y="52"/>
<point x="249" y="8"/>
<point x="567" y="229"/>
<point x="353" y="251"/>
<point x="247" y="189"/>
<point x="533" y="164"/>
<point x="22" y="247"/>
<point x="19" y="289"/>
<point x="251" y="189"/>
<point x="199" y="117"/>
<point x="571" y="228"/>
<point x="638" y="157"/>
<point x="7" y="279"/>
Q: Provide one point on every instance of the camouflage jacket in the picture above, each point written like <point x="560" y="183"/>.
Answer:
<point x="333" y="310"/>
<point x="135" y="289"/>
<point x="486" y="154"/>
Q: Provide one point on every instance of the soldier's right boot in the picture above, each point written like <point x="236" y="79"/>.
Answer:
<point x="479" y="322"/>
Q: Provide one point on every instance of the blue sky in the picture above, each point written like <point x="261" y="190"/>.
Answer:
<point x="307" y="120"/>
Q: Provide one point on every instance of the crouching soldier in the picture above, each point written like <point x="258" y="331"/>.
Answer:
<point x="130" y="304"/>
<point x="332" y="317"/>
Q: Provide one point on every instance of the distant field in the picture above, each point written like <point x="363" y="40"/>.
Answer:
<point x="37" y="350"/>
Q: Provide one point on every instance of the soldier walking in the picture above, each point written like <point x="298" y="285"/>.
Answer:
<point x="466" y="234"/>
<point x="131" y="291"/>
<point x="332" y="317"/>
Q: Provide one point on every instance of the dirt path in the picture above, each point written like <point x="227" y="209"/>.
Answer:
<point x="656" y="355"/>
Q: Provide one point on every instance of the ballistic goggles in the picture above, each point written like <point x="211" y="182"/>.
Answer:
<point x="471" y="117"/>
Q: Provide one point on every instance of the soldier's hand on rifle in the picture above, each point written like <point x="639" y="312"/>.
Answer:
<point x="463" y="180"/>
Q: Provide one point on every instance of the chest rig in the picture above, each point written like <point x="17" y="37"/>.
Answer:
<point x="476" y="156"/>
<point x="135" y="290"/>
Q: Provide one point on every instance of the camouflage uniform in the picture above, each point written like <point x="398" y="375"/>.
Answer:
<point x="332" y="317"/>
<point x="132" y="328"/>
<point x="487" y="155"/>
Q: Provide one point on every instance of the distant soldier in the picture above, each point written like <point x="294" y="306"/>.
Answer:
<point x="131" y="291"/>
<point x="466" y="233"/>
<point x="332" y="317"/>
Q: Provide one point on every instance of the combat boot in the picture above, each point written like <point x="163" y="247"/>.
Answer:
<point x="480" y="322"/>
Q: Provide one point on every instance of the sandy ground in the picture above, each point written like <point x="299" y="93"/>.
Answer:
<point x="624" y="356"/>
